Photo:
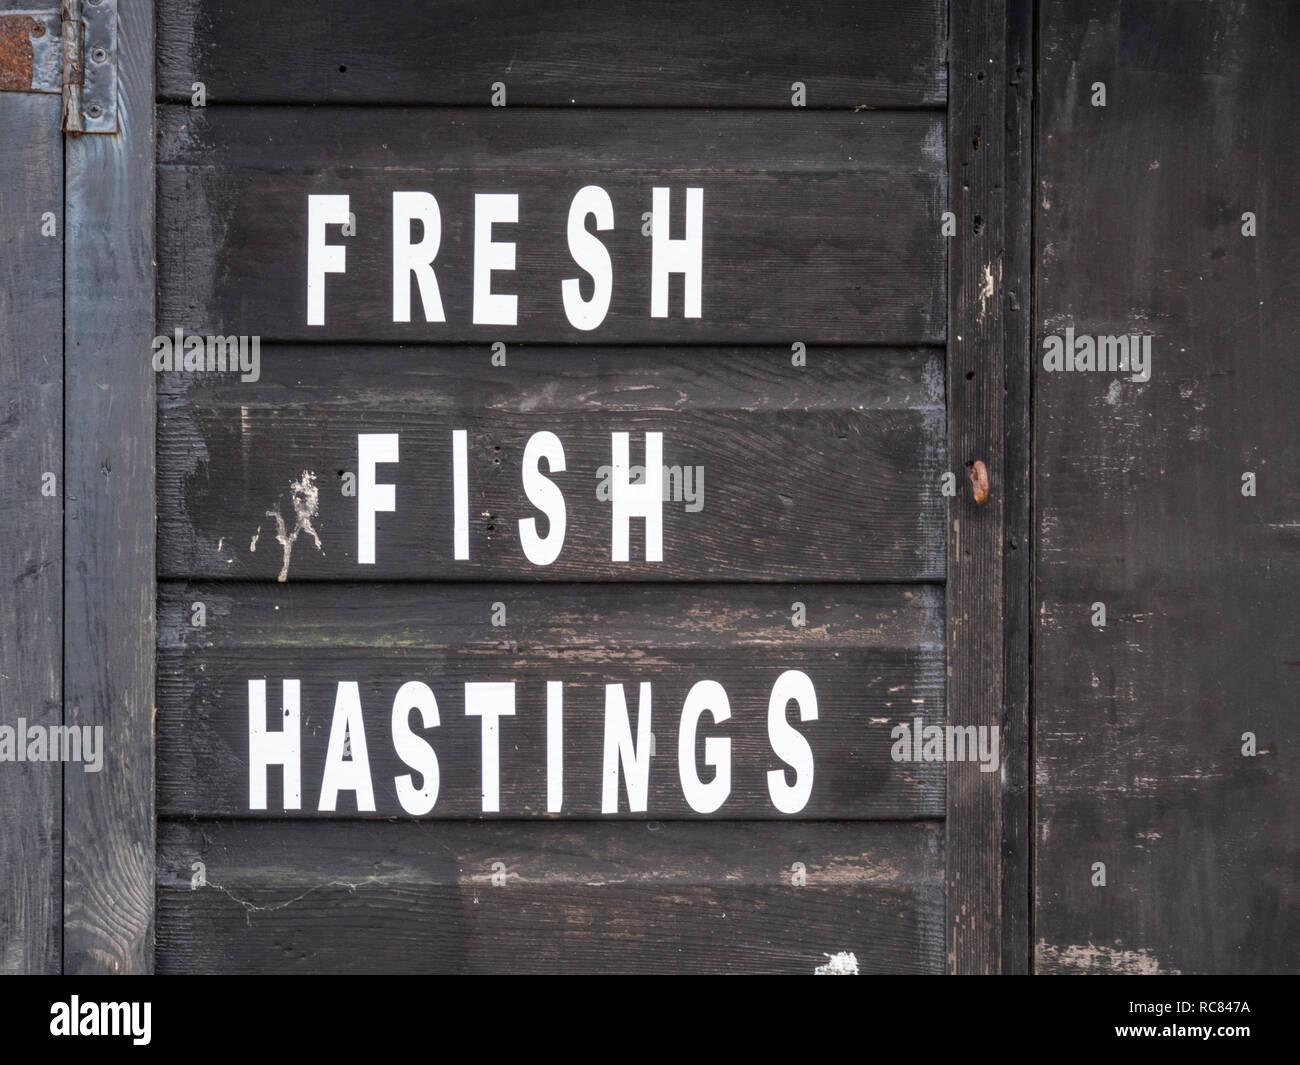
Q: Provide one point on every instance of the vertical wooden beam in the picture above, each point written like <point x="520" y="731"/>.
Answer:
<point x="31" y="516"/>
<point x="1017" y="571"/>
<point x="109" y="541"/>
<point x="977" y="80"/>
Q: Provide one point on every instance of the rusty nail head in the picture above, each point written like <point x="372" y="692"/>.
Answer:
<point x="38" y="28"/>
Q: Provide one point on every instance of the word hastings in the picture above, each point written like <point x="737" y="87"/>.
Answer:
<point x="626" y="750"/>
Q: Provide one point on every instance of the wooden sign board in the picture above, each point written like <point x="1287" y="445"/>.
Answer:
<point x="555" y="491"/>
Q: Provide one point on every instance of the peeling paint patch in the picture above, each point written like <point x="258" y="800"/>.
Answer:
<point x="845" y="963"/>
<point x="1094" y="959"/>
<point x="986" y="291"/>
<point x="306" y="501"/>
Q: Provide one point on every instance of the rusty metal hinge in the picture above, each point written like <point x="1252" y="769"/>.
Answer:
<point x="71" y="51"/>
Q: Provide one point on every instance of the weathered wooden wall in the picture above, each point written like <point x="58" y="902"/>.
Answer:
<point x="1139" y="725"/>
<point x="31" y="517"/>
<point x="108" y="652"/>
<point x="821" y="481"/>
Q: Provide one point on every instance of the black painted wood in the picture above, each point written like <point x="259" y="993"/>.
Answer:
<point x="108" y="652"/>
<point x="873" y="654"/>
<point x="822" y="228"/>
<point x="594" y="53"/>
<point x="656" y="897"/>
<point x="31" y="547"/>
<point x="824" y="472"/>
<point x="816" y="228"/>
<point x="1017" y="556"/>
<point x="1140" y="724"/>
<point x="977" y="357"/>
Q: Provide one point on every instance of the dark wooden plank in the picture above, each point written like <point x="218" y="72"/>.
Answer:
<point x="977" y="356"/>
<point x="825" y="472"/>
<point x="108" y="842"/>
<point x="657" y="897"/>
<point x="31" y="549"/>
<point x="595" y="53"/>
<point x="1017" y="559"/>
<point x="820" y="229"/>
<point x="873" y="655"/>
<point x="1139" y="730"/>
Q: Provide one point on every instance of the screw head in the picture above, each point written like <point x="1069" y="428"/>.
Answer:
<point x="94" y="111"/>
<point x="98" y="55"/>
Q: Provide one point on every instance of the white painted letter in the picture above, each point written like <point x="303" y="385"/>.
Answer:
<point x="590" y="254"/>
<point x="684" y="256"/>
<point x="460" y="492"/>
<point x="323" y="258"/>
<point x="372" y="449"/>
<point x="545" y="495"/>
<point x="788" y="743"/>
<point x="280" y="748"/>
<point x="619" y="748"/>
<point x="416" y="259"/>
<point x="704" y="798"/>
<point x="491" y="701"/>
<point x="638" y="500"/>
<point x="413" y="750"/>
<point x="489" y="255"/>
<point x="554" y="746"/>
<point x="352" y="774"/>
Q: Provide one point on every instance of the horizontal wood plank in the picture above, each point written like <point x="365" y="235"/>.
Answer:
<point x="653" y="898"/>
<point x="873" y="655"/>
<point x="596" y="53"/>
<point x="825" y="472"/>
<point x="820" y="229"/>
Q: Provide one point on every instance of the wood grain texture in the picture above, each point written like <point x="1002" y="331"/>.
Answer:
<point x="825" y="472"/>
<point x="817" y="228"/>
<point x="608" y="898"/>
<point x="1139" y="735"/>
<point x="108" y="841"/>
<point x="977" y="356"/>
<point x="873" y="654"/>
<point x="1017" y="559"/>
<point x="31" y="548"/>
<point x="593" y="53"/>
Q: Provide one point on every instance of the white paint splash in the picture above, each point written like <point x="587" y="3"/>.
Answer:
<point x="845" y="963"/>
<point x="1091" y="958"/>
<point x="986" y="291"/>
<point x="306" y="500"/>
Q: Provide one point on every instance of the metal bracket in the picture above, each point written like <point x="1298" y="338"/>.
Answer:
<point x="72" y="51"/>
